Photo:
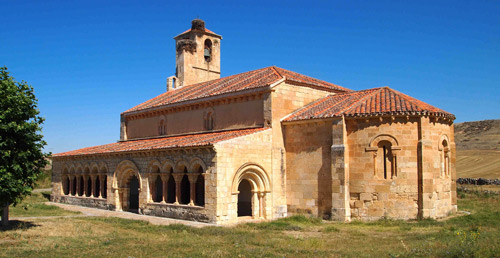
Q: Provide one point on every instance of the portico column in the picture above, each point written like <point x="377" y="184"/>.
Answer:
<point x="192" y="187"/>
<point x="71" y="178"/>
<point x="85" y="180"/>
<point x="164" y="181"/>
<point x="151" y="187"/>
<point x="255" y="200"/>
<point x="92" y="193"/>
<point x="101" y="179"/>
<point x="261" y="204"/>
<point x="178" y="179"/>
<point x="78" y="186"/>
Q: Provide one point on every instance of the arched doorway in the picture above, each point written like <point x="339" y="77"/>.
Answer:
<point x="127" y="187"/>
<point x="251" y="192"/>
<point x="244" y="198"/>
<point x="133" y="195"/>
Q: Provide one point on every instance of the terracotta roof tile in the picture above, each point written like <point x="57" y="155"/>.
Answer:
<point x="191" y="140"/>
<point x="378" y="101"/>
<point x="244" y="81"/>
<point x="206" y="30"/>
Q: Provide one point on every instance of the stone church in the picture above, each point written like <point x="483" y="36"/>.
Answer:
<point x="266" y="144"/>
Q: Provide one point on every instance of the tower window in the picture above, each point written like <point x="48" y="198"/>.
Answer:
<point x="207" y="53"/>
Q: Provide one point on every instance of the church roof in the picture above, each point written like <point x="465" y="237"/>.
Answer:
<point x="377" y="101"/>
<point x="180" y="141"/>
<point x="255" y="79"/>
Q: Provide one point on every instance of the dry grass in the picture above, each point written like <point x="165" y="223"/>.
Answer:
<point x="291" y="237"/>
<point x="478" y="163"/>
<point x="33" y="206"/>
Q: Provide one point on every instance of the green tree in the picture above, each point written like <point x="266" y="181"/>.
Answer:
<point x="21" y="142"/>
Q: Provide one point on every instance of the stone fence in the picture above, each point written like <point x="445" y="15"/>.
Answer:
<point x="478" y="181"/>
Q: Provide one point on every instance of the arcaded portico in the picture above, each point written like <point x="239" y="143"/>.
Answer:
<point x="266" y="144"/>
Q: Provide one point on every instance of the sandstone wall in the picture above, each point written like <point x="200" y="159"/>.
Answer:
<point x="418" y="187"/>
<point x="226" y="116"/>
<point x="308" y="168"/>
<point x="192" y="68"/>
<point x="438" y="197"/>
<point x="371" y="196"/>
<point x="244" y="154"/>
<point x="285" y="99"/>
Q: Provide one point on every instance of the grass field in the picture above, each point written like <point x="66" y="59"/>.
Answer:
<point x="33" y="206"/>
<point x="471" y="235"/>
<point x="478" y="163"/>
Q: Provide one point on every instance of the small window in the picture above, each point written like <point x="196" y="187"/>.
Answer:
<point x="162" y="128"/>
<point x="209" y="121"/>
<point x="386" y="161"/>
<point x="445" y="159"/>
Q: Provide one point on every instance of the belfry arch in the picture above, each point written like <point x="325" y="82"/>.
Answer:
<point x="126" y="176"/>
<point x="254" y="177"/>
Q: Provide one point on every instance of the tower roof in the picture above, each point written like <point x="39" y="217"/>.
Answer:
<point x="257" y="79"/>
<point x="377" y="101"/>
<point x="199" y="26"/>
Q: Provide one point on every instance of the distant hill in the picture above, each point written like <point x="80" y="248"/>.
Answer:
<point x="478" y="148"/>
<point x="478" y="135"/>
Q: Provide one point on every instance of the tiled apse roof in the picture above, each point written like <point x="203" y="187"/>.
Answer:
<point x="378" y="101"/>
<point x="244" y="81"/>
<point x="191" y="140"/>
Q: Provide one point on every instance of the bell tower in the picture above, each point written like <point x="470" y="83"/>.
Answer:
<point x="197" y="56"/>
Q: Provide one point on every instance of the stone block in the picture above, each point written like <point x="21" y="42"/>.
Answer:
<point x="365" y="196"/>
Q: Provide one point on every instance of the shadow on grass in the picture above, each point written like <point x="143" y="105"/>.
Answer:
<point x="46" y="195"/>
<point x="17" y="224"/>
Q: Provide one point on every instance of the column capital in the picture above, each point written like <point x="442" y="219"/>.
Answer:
<point x="178" y="176"/>
<point x="193" y="177"/>
<point x="164" y="176"/>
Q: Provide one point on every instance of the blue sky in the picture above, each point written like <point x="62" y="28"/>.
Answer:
<point x="90" y="60"/>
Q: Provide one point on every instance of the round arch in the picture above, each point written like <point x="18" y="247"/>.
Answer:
<point x="152" y="164"/>
<point x="167" y="165"/>
<point x="195" y="163"/>
<point x="125" y="197"/>
<point x="94" y="167"/>
<point x="123" y="171"/>
<point x="79" y="168"/>
<point x="443" y="138"/>
<point x="383" y="137"/>
<point x="255" y="174"/>
<point x="180" y="165"/>
<point x="103" y="168"/>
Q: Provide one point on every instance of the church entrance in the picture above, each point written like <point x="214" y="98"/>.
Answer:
<point x="134" y="195"/>
<point x="244" y="198"/>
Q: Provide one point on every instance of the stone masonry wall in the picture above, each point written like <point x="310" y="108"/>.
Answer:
<point x="232" y="156"/>
<point x="371" y="196"/>
<point x="285" y="99"/>
<point x="418" y="188"/>
<point x="438" y="197"/>
<point x="308" y="168"/>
